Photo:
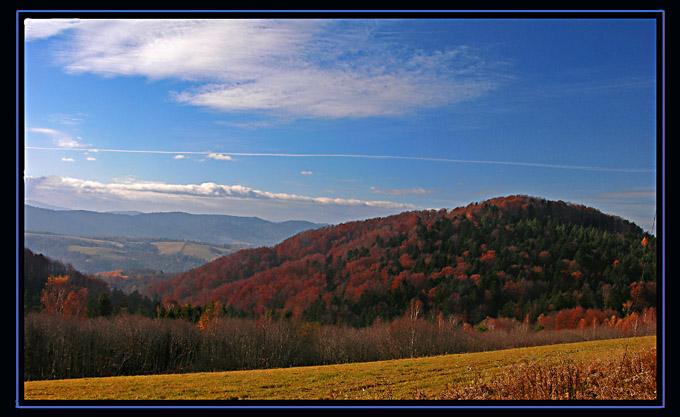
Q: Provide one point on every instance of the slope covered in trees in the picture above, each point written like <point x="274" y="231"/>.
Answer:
<point x="519" y="257"/>
<point x="49" y="285"/>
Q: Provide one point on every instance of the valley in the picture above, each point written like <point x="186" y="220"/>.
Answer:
<point x="106" y="253"/>
<point x="145" y="243"/>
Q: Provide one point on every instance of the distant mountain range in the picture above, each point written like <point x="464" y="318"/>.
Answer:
<point x="43" y="205"/>
<point x="113" y="253"/>
<point x="95" y="242"/>
<point x="215" y="229"/>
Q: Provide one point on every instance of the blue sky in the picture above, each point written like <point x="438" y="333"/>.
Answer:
<point x="333" y="120"/>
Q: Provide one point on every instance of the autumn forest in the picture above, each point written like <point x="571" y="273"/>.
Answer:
<point x="507" y="272"/>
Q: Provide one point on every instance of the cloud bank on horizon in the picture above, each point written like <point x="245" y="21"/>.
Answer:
<point x="202" y="198"/>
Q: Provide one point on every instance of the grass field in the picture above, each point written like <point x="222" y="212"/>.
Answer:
<point x="86" y="240"/>
<point x="417" y="378"/>
<point x="168" y="248"/>
<point x="123" y="253"/>
<point x="99" y="251"/>
<point x="196" y="250"/>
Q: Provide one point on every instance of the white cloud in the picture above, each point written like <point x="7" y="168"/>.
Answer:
<point x="292" y="68"/>
<point x="179" y="157"/>
<point x="133" y="190"/>
<point x="44" y="28"/>
<point x="67" y="159"/>
<point x="220" y="157"/>
<point x="306" y="173"/>
<point x="44" y="130"/>
<point x="61" y="139"/>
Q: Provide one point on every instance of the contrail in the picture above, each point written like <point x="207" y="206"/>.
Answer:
<point x="360" y="156"/>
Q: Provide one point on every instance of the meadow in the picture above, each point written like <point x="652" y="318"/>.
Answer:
<point x="614" y="369"/>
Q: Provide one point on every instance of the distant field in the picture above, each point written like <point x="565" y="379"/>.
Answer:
<point x="167" y="248"/>
<point x="417" y="378"/>
<point x="203" y="251"/>
<point x="196" y="250"/>
<point x="108" y="253"/>
<point x="103" y="252"/>
<point x="76" y="239"/>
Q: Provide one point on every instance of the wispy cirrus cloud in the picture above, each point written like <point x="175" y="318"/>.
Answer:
<point x="229" y="157"/>
<point x="61" y="139"/>
<point x="45" y="28"/>
<point x="401" y="191"/>
<point x="630" y="193"/>
<point x="44" y="130"/>
<point x="289" y="68"/>
<point x="637" y="204"/>
<point x="67" y="119"/>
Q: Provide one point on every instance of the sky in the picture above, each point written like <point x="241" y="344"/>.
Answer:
<point x="332" y="119"/>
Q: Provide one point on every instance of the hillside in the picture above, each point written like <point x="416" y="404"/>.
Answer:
<point x="216" y="229"/>
<point x="514" y="256"/>
<point x="36" y="269"/>
<point x="107" y="253"/>
<point x="113" y="290"/>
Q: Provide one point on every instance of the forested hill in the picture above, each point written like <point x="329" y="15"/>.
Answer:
<point x="511" y="257"/>
<point x="36" y="270"/>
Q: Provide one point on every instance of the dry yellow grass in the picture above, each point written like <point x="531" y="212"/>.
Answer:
<point x="205" y="252"/>
<point x="405" y="379"/>
<point x="627" y="376"/>
<point x="168" y="248"/>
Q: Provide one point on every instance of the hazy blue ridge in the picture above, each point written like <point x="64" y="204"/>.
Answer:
<point x="220" y="229"/>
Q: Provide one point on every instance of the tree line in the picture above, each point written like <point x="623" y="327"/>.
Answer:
<point x="57" y="346"/>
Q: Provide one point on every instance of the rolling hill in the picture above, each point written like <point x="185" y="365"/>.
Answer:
<point x="106" y="253"/>
<point x="35" y="270"/>
<point x="217" y="229"/>
<point x="515" y="256"/>
<point x="172" y="242"/>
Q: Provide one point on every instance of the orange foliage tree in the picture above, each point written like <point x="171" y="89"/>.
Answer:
<point x="61" y="297"/>
<point x="209" y="316"/>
